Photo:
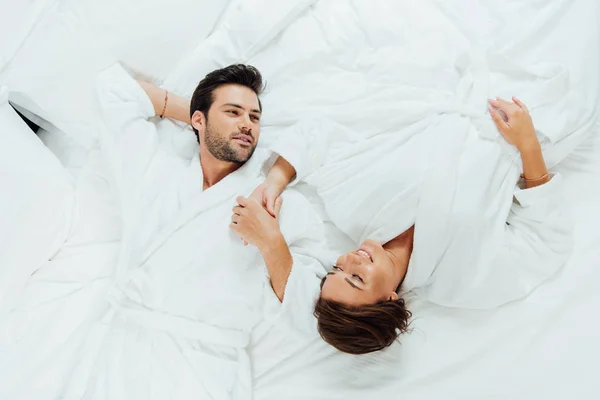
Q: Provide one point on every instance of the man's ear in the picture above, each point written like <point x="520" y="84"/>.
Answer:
<point x="198" y="121"/>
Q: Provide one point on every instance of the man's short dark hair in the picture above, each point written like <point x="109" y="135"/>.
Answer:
<point x="361" y="329"/>
<point x="236" y="74"/>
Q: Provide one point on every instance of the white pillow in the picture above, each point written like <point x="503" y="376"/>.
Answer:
<point x="36" y="199"/>
<point x="53" y="71"/>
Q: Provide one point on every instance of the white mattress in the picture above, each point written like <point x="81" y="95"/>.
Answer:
<point x="542" y="347"/>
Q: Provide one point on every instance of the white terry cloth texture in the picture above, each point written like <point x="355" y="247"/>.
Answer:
<point x="452" y="353"/>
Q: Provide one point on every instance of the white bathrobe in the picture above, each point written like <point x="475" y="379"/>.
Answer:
<point x="474" y="246"/>
<point x="188" y="292"/>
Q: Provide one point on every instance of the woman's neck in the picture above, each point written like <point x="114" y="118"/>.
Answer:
<point x="400" y="249"/>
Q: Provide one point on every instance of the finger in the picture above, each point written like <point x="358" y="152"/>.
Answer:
<point x="501" y="104"/>
<point x="237" y="210"/>
<point x="270" y="205"/>
<point x="520" y="104"/>
<point x="500" y="124"/>
<point x="242" y="201"/>
<point x="277" y="208"/>
<point x="235" y="218"/>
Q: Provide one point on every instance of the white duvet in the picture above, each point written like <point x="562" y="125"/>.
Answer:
<point x="393" y="63"/>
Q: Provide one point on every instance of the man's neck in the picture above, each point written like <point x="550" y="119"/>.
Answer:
<point x="214" y="170"/>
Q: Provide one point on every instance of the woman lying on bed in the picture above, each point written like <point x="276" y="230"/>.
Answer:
<point x="360" y="308"/>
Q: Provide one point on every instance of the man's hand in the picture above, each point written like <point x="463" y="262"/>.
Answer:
<point x="254" y="224"/>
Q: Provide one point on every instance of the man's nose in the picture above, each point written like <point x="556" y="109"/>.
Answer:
<point x="244" y="124"/>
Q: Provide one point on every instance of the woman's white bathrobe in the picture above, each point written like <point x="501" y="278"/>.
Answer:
<point x="480" y="239"/>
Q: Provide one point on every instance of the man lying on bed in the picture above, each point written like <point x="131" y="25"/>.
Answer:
<point x="188" y="292"/>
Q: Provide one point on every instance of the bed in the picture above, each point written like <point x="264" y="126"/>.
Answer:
<point x="543" y="346"/>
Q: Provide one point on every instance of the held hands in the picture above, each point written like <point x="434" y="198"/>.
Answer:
<point x="514" y="122"/>
<point x="254" y="224"/>
<point x="266" y="194"/>
<point x="280" y="175"/>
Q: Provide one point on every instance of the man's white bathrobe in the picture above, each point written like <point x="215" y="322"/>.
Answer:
<point x="188" y="292"/>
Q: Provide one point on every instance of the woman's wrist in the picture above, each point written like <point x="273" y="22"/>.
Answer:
<point x="274" y="246"/>
<point x="281" y="173"/>
<point x="535" y="172"/>
<point x="529" y="146"/>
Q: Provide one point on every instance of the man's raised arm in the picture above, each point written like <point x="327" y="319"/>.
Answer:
<point x="167" y="104"/>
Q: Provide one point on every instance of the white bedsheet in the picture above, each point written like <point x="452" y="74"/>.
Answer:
<point x="542" y="347"/>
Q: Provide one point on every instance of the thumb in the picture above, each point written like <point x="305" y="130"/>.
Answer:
<point x="278" y="204"/>
<point x="270" y="203"/>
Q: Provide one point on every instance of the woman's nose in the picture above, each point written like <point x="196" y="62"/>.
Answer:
<point x="353" y="259"/>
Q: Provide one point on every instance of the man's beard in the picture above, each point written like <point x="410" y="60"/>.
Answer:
<point x="222" y="149"/>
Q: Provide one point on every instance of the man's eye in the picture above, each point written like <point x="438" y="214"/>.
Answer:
<point x="232" y="112"/>
<point x="255" y="118"/>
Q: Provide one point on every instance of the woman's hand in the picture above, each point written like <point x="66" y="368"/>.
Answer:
<point x="514" y="123"/>
<point x="517" y="128"/>
<point x="267" y="193"/>
<point x="254" y="224"/>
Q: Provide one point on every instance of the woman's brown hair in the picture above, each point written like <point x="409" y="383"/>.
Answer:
<point x="362" y="329"/>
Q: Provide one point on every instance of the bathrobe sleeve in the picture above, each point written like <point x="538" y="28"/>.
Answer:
<point x="535" y="242"/>
<point x="129" y="140"/>
<point x="539" y="234"/>
<point x="304" y="233"/>
<point x="308" y="144"/>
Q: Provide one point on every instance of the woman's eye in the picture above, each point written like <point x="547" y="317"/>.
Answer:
<point x="335" y="267"/>
<point x="359" y="278"/>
